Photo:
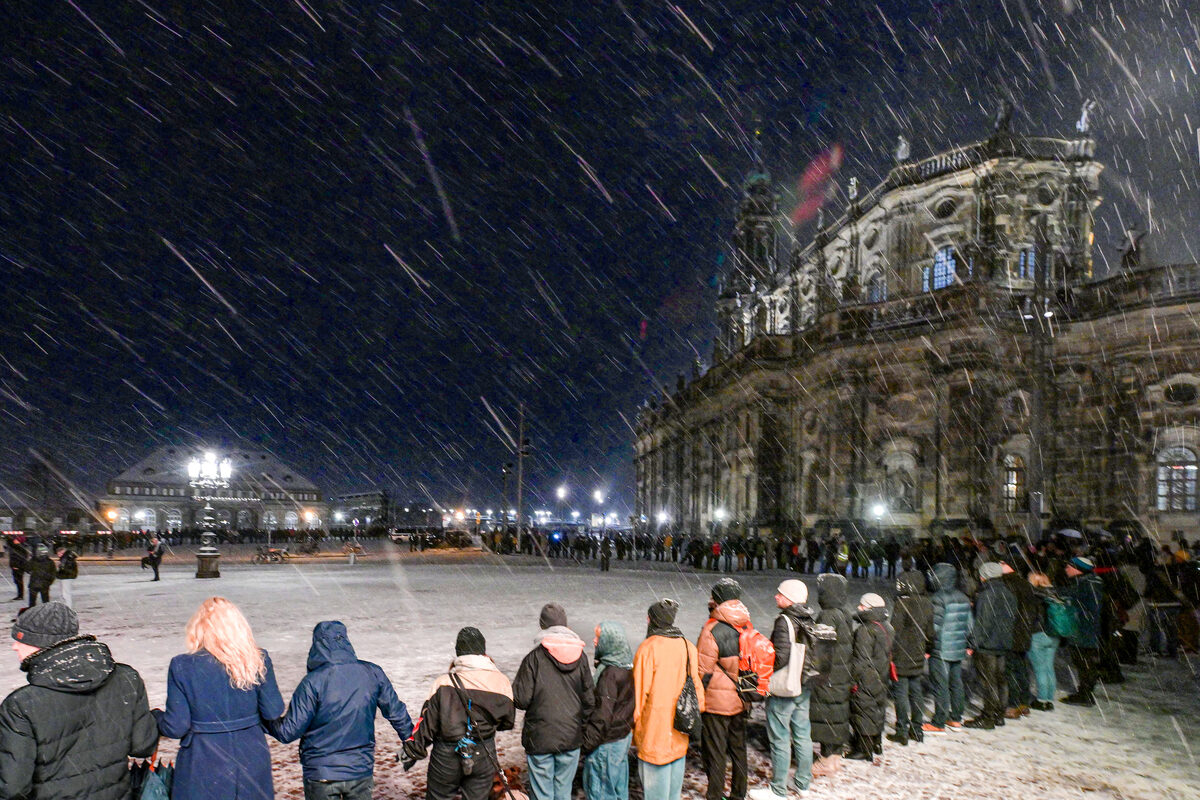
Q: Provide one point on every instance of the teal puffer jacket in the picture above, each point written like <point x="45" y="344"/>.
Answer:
<point x="952" y="618"/>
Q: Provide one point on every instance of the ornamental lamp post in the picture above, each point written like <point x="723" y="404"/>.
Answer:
<point x="205" y="475"/>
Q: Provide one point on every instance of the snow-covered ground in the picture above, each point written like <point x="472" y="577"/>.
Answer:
<point x="1141" y="741"/>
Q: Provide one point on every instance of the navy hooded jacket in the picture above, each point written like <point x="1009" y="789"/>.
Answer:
<point x="332" y="711"/>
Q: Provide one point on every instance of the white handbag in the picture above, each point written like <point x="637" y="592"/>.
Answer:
<point x="787" y="682"/>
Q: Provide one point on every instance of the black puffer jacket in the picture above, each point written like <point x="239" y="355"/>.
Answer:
<point x="870" y="667"/>
<point x="830" y="706"/>
<point x="612" y="718"/>
<point x="1029" y="611"/>
<point x="68" y="734"/>
<point x="42" y="572"/>
<point x="554" y="688"/>
<point x="912" y="619"/>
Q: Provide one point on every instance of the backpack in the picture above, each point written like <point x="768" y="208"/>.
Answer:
<point x="1060" y="619"/>
<point x="756" y="663"/>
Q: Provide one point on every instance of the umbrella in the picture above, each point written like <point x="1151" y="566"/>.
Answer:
<point x="1070" y="533"/>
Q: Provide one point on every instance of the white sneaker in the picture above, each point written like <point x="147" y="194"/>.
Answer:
<point x="765" y="793"/>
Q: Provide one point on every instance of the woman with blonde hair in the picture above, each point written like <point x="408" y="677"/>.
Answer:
<point x="218" y="694"/>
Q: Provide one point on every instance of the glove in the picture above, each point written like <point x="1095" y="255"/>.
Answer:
<point x="413" y="753"/>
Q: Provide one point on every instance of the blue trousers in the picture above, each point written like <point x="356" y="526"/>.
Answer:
<point x="909" y="695"/>
<point x="790" y="734"/>
<point x="551" y="774"/>
<point x="1041" y="658"/>
<point x="661" y="782"/>
<point x="606" y="771"/>
<point x="949" y="695"/>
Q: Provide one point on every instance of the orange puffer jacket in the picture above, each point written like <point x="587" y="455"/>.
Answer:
<point x="718" y="648"/>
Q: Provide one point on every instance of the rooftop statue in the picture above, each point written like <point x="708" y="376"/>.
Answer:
<point x="1084" y="124"/>
<point x="1003" y="119"/>
<point x="903" y="149"/>
<point x="1131" y="247"/>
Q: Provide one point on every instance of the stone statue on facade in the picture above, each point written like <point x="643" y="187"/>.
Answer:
<point x="1131" y="247"/>
<point x="852" y="190"/>
<point x="1002" y="121"/>
<point x="1084" y="123"/>
<point x="903" y="149"/>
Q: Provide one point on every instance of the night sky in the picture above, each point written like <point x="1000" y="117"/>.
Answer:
<point x="344" y="231"/>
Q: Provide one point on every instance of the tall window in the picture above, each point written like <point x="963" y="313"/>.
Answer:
<point x="1027" y="264"/>
<point x="1013" y="490"/>
<point x="877" y="289"/>
<point x="941" y="274"/>
<point x="1176" y="479"/>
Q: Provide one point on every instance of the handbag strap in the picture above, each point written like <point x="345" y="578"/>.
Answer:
<point x="495" y="762"/>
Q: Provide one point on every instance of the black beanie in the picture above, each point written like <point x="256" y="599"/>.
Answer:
<point x="552" y="614"/>
<point x="662" y="614"/>
<point x="726" y="589"/>
<point x="46" y="625"/>
<point x="470" y="642"/>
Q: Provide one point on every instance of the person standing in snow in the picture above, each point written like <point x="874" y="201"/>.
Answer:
<point x="42" y="571"/>
<point x="470" y="703"/>
<point x="870" y="669"/>
<point x="18" y="560"/>
<point x="1085" y="595"/>
<point x="912" y="622"/>
<point x="554" y="688"/>
<point x="991" y="638"/>
<point x="1030" y="610"/>
<point x="332" y="712"/>
<point x="1044" y="646"/>
<point x="71" y="731"/>
<point x="660" y="666"/>
<point x="788" y="728"/>
<point x="609" y="729"/>
<point x="830" y="709"/>
<point x="723" y="737"/>
<point x="952" y="621"/>
<point x="68" y="571"/>
<point x="219" y="694"/>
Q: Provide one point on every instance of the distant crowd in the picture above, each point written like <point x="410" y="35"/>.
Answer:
<point x="825" y="675"/>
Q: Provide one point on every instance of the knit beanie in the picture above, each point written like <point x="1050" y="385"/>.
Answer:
<point x="662" y="614"/>
<point x="990" y="570"/>
<point x="794" y="590"/>
<point x="46" y="625"/>
<point x="726" y="589"/>
<point x="470" y="642"/>
<point x="552" y="614"/>
<point x="871" y="600"/>
<point x="1082" y="564"/>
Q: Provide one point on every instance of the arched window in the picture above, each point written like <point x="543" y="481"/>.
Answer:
<point x="1027" y="264"/>
<point x="1176" y="479"/>
<point x="269" y="520"/>
<point x="146" y="519"/>
<point x="291" y="520"/>
<point x="877" y="289"/>
<point x="941" y="273"/>
<point x="174" y="519"/>
<point x="1012" y="491"/>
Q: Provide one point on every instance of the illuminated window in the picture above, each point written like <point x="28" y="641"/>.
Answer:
<point x="942" y="271"/>
<point x="1027" y="264"/>
<point x="1013" y="489"/>
<point x="1176" y="479"/>
<point x="877" y="289"/>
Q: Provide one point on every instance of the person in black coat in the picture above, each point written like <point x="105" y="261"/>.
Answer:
<point x="912" y="619"/>
<point x="991" y="638"/>
<point x="829" y="709"/>
<point x="71" y="731"/>
<point x="609" y="730"/>
<point x="154" y="555"/>
<point x="42" y="572"/>
<point x="870" y="666"/>
<point x="1028" y="621"/>
<point x="554" y="687"/>
<point x="332" y="712"/>
<point x="18" y="560"/>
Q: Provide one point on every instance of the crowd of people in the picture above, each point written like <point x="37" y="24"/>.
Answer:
<point x="826" y="674"/>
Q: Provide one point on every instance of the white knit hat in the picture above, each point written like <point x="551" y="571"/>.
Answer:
<point x="794" y="590"/>
<point x="871" y="600"/>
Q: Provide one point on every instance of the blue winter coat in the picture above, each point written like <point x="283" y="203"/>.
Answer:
<point x="332" y="711"/>
<point x="223" y="751"/>
<point x="952" y="617"/>
<point x="1084" y="594"/>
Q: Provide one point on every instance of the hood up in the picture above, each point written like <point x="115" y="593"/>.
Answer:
<point x="945" y="576"/>
<point x="563" y="644"/>
<point x="77" y="665"/>
<point x="612" y="648"/>
<point x="330" y="645"/>
<point x="733" y="612"/>
<point x="869" y="615"/>
<point x="910" y="583"/>
<point x="831" y="590"/>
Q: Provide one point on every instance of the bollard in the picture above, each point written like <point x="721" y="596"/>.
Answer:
<point x="352" y="557"/>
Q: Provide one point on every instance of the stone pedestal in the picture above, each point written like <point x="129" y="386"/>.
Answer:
<point x="207" y="565"/>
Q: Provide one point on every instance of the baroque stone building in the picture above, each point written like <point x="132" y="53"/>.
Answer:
<point x="260" y="492"/>
<point x="894" y="375"/>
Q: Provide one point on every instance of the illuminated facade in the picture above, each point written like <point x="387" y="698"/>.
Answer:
<point x="248" y="489"/>
<point x="880" y="379"/>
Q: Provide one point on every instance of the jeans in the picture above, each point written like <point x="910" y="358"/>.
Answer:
<point x="444" y="777"/>
<point x="359" y="789"/>
<point x="661" y="782"/>
<point x="790" y="734"/>
<point x="910" y="702"/>
<point x="19" y="580"/>
<point x="1016" y="669"/>
<point x="41" y="591"/>
<point x="990" y="667"/>
<point x="723" y="739"/>
<point x="551" y="774"/>
<point x="1041" y="658"/>
<point x="949" y="695"/>
<point x="606" y="771"/>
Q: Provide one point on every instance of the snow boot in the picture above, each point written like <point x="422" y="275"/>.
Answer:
<point x="862" y="748"/>
<point x="915" y="734"/>
<point x="900" y="737"/>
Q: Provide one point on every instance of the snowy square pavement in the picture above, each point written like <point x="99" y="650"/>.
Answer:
<point x="1141" y="741"/>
